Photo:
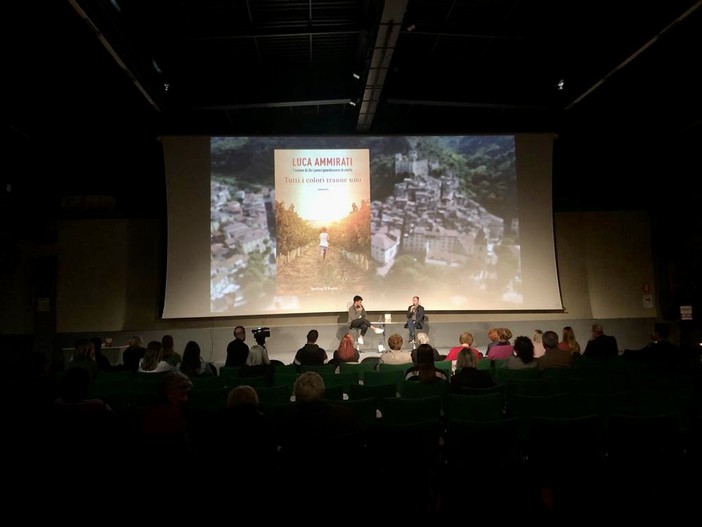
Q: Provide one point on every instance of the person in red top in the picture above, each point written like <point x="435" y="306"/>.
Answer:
<point x="466" y="340"/>
<point x="346" y="352"/>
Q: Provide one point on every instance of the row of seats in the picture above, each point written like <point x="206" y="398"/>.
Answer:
<point x="439" y="445"/>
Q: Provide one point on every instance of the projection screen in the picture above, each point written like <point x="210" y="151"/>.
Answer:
<point x="292" y="225"/>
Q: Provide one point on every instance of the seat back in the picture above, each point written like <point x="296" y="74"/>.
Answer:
<point x="334" y="392"/>
<point x="505" y="375"/>
<point x="343" y="380"/>
<point x="529" y="387"/>
<point x="116" y="375"/>
<point x="285" y="378"/>
<point x="321" y="368"/>
<point x="286" y="368"/>
<point x="378" y="392"/>
<point x="383" y="377"/>
<point x="229" y="371"/>
<point x="444" y="365"/>
<point x="365" y="409"/>
<point x="499" y="447"/>
<point x="394" y="367"/>
<point x="407" y="411"/>
<point x="208" y="383"/>
<point x="211" y="399"/>
<point x="359" y="368"/>
<point x="467" y="390"/>
<point x="279" y="394"/>
<point x="255" y="382"/>
<point x="528" y="407"/>
<point x="487" y="407"/>
<point x="416" y="389"/>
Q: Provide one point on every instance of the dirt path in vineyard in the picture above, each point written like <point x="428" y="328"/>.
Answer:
<point x="308" y="271"/>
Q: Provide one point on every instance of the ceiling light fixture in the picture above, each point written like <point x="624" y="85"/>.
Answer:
<point x="560" y="84"/>
<point x="352" y="103"/>
<point x="356" y="76"/>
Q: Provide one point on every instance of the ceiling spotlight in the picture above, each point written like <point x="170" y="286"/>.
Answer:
<point x="560" y="84"/>
<point x="411" y="28"/>
<point x="356" y="76"/>
<point x="352" y="103"/>
<point x="166" y="86"/>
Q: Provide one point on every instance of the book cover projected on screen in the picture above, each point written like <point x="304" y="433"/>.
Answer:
<point x="303" y="224"/>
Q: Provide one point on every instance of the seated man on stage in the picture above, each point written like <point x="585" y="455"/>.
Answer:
<point x="358" y="320"/>
<point x="415" y="317"/>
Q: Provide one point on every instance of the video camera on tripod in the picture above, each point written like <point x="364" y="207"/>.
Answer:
<point x="265" y="332"/>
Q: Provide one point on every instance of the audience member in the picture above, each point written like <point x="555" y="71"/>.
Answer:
<point x="164" y="424"/>
<point x="553" y="357"/>
<point x="422" y="338"/>
<point x="32" y="388"/>
<point x="493" y="338"/>
<point x="538" y="344"/>
<point x="311" y="354"/>
<point x="313" y="424"/>
<point x="425" y="370"/>
<point x="133" y="354"/>
<point x="257" y="362"/>
<point x="666" y="356"/>
<point x="467" y="374"/>
<point x="601" y="346"/>
<point x="193" y="365"/>
<point x="84" y="357"/>
<point x="346" y="352"/>
<point x="75" y="395"/>
<point x="415" y="317"/>
<point x="568" y="341"/>
<point x="103" y="363"/>
<point x="524" y="356"/>
<point x="237" y="349"/>
<point x="502" y="348"/>
<point x="153" y="359"/>
<point x="83" y="429"/>
<point x="258" y="353"/>
<point x="395" y="355"/>
<point x="466" y="342"/>
<point x="169" y="353"/>
<point x="246" y="432"/>
<point x="358" y="319"/>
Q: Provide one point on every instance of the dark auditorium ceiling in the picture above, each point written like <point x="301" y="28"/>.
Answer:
<point x="621" y="76"/>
